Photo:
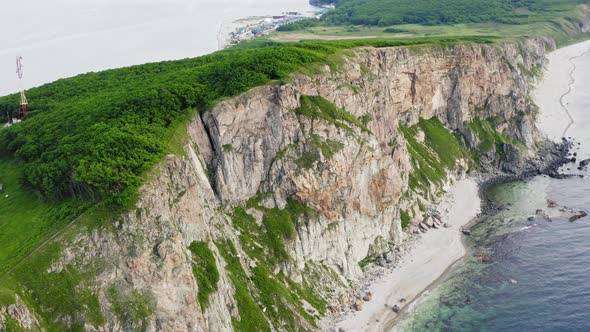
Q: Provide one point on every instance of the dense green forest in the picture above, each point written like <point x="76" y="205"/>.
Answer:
<point x="94" y="135"/>
<point x="433" y="12"/>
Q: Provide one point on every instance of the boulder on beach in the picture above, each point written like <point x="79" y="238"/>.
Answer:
<point x="423" y="227"/>
<point x="358" y="305"/>
<point x="466" y="231"/>
<point x="396" y="308"/>
<point x="584" y="163"/>
<point x="428" y="221"/>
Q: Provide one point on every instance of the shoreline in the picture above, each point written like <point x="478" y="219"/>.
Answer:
<point x="571" y="83"/>
<point x="377" y="314"/>
<point x="554" y="118"/>
<point x="422" y="267"/>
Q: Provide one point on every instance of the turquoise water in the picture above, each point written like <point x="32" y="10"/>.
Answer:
<point x="538" y="276"/>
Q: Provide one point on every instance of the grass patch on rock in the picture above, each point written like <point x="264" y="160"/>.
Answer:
<point x="431" y="158"/>
<point x="405" y="218"/>
<point x="317" y="107"/>
<point x="133" y="307"/>
<point x="251" y="315"/>
<point x="204" y="270"/>
<point x="490" y="140"/>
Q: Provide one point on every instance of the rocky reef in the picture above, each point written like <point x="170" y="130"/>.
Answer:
<point x="287" y="192"/>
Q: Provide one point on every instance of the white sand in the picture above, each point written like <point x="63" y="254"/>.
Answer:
<point x="559" y="77"/>
<point x="423" y="264"/>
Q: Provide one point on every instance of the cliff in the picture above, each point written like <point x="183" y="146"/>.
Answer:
<point x="284" y="192"/>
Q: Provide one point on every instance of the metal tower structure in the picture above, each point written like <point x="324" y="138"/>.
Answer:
<point x="23" y="98"/>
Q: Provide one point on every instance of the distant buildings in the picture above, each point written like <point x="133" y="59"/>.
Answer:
<point x="264" y="26"/>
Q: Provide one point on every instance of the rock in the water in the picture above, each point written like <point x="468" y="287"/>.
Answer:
<point x="466" y="231"/>
<point x="447" y="225"/>
<point x="368" y="297"/>
<point x="579" y="215"/>
<point x="543" y="214"/>
<point x="484" y="258"/>
<point x="551" y="204"/>
<point x="584" y="163"/>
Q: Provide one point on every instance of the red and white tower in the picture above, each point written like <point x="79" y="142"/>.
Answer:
<point x="23" y="98"/>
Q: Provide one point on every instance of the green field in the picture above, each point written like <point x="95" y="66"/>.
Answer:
<point x="558" y="22"/>
<point x="25" y="219"/>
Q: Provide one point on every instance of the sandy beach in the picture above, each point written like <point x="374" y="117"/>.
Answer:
<point x="433" y="253"/>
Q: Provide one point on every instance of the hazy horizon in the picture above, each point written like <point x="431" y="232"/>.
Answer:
<point x="65" y="38"/>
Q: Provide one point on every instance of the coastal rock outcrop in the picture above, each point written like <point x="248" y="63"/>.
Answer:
<point x="295" y="187"/>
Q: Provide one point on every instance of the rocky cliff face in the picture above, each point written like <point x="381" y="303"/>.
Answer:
<point x="292" y="185"/>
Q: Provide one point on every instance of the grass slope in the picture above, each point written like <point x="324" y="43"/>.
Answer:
<point x="26" y="220"/>
<point x="558" y="19"/>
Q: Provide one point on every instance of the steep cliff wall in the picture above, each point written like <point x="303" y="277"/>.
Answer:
<point x="292" y="185"/>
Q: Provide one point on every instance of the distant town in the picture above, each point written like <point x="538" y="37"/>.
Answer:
<point x="253" y="27"/>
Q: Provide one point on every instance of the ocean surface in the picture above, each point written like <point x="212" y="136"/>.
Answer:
<point x="535" y="274"/>
<point x="62" y="38"/>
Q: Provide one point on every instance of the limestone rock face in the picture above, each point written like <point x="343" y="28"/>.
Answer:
<point x="355" y="178"/>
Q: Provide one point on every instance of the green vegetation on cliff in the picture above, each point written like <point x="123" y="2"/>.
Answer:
<point x="431" y="157"/>
<point x="265" y="294"/>
<point x="266" y="245"/>
<point x="94" y="136"/>
<point x="205" y="271"/>
<point x="489" y="139"/>
<point x="55" y="291"/>
<point x="318" y="107"/>
<point x="133" y="307"/>
<point x="405" y="218"/>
